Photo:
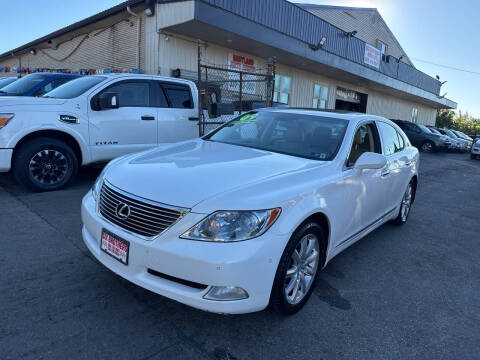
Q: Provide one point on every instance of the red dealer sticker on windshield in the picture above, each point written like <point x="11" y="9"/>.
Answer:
<point x="115" y="246"/>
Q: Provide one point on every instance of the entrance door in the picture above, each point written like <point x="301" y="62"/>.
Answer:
<point x="349" y="100"/>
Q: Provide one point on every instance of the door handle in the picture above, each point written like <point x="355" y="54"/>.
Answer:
<point x="193" y="118"/>
<point x="385" y="172"/>
<point x="148" y="117"/>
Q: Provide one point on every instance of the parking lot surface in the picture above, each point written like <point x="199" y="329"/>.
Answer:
<point x="400" y="293"/>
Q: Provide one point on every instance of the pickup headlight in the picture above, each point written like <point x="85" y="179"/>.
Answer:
<point x="231" y="226"/>
<point x="5" y="118"/>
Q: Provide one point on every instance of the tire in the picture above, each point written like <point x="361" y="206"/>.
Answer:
<point x="428" y="147"/>
<point x="44" y="164"/>
<point x="405" y="205"/>
<point x="279" y="300"/>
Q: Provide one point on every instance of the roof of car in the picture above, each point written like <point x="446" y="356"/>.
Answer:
<point x="52" y="74"/>
<point x="327" y="113"/>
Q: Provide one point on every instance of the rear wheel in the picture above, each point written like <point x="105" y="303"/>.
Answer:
<point x="428" y="147"/>
<point x="405" y="205"/>
<point x="44" y="164"/>
<point x="298" y="268"/>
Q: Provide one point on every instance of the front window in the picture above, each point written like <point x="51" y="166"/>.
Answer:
<point x="283" y="85"/>
<point x="24" y="85"/>
<point x="75" y="88"/>
<point x="365" y="140"/>
<point x="306" y="136"/>
<point x="320" y="96"/>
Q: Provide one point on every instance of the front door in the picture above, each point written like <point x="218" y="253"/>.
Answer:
<point x="130" y="128"/>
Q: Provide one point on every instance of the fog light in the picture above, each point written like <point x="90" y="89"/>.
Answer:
<point x="226" y="293"/>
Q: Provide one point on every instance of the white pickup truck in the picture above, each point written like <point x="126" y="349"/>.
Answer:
<point x="92" y="119"/>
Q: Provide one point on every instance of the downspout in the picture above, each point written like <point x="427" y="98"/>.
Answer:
<point x="137" y="57"/>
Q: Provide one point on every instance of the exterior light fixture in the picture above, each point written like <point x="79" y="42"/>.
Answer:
<point x="33" y="51"/>
<point x="319" y="45"/>
<point x="350" y="33"/>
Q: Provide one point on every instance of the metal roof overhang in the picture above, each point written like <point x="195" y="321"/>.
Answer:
<point x="215" y="25"/>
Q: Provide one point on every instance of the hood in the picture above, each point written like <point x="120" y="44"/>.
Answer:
<point x="187" y="173"/>
<point x="11" y="101"/>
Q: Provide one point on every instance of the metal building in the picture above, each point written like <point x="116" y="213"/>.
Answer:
<point x="326" y="56"/>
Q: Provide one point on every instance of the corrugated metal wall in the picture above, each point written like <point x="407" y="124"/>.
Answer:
<point x="112" y="47"/>
<point x="298" y="23"/>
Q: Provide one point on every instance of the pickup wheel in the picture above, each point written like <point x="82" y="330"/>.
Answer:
<point x="44" y="164"/>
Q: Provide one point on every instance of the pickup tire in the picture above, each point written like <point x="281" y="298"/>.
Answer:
<point x="44" y="164"/>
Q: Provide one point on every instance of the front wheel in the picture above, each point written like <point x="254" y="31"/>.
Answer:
<point x="298" y="268"/>
<point x="405" y="205"/>
<point x="428" y="147"/>
<point x="44" y="164"/>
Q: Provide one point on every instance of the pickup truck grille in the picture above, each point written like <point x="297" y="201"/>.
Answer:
<point x="144" y="218"/>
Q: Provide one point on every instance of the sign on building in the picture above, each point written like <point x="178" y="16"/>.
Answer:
<point x="372" y="56"/>
<point x="242" y="63"/>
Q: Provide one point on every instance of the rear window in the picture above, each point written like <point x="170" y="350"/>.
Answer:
<point x="179" y="96"/>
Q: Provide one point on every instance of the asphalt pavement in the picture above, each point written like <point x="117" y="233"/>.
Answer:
<point x="410" y="292"/>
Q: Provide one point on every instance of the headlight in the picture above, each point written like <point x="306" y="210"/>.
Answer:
<point x="5" y="118"/>
<point x="230" y="226"/>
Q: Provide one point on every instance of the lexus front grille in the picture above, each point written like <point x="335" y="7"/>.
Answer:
<point x="135" y="214"/>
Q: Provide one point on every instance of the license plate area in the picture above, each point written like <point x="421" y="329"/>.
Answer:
<point x="115" y="246"/>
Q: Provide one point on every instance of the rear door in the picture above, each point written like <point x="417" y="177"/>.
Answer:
<point x="130" y="128"/>
<point x="398" y="163"/>
<point x="176" y="112"/>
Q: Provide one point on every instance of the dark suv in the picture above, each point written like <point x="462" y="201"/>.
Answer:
<point x="421" y="137"/>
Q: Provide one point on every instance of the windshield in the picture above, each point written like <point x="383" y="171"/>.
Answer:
<point x="435" y="131"/>
<point x="74" y="88"/>
<point x="450" y="133"/>
<point x="6" y="81"/>
<point x="23" y="85"/>
<point x="307" y="136"/>
<point x="424" y="128"/>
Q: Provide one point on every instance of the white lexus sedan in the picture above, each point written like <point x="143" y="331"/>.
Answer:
<point x="248" y="215"/>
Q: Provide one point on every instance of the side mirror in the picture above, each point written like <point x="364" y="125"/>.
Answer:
<point x="369" y="160"/>
<point x="109" y="100"/>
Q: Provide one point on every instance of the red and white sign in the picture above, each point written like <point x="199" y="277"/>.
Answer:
<point x="114" y="246"/>
<point x="242" y="63"/>
<point x="372" y="56"/>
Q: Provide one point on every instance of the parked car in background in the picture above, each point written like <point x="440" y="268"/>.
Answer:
<point x="4" y="81"/>
<point x="456" y="144"/>
<point x="36" y="84"/>
<point x="475" y="152"/>
<point x="255" y="209"/>
<point x="421" y="137"/>
<point x="465" y="145"/>
<point x="92" y="119"/>
<point x="463" y="136"/>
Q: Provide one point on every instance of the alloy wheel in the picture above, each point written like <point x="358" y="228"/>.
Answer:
<point x="302" y="269"/>
<point x="48" y="166"/>
<point x="427" y="147"/>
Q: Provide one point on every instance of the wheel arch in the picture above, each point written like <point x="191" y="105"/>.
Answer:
<point x="69" y="139"/>
<point x="323" y="221"/>
<point x="414" y="183"/>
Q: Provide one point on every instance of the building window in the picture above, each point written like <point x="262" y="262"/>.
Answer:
<point x="283" y="85"/>
<point x="382" y="47"/>
<point x="414" y="115"/>
<point x="320" y="96"/>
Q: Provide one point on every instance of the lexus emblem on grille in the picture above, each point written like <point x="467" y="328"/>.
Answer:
<point x="122" y="211"/>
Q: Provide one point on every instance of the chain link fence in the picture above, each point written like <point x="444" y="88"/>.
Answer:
<point x="225" y="93"/>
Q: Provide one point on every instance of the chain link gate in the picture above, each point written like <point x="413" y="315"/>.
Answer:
<point x="225" y="93"/>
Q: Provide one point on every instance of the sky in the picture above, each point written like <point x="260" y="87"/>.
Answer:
<point x="432" y="33"/>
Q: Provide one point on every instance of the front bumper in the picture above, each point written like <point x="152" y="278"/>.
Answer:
<point x="250" y="264"/>
<point x="475" y="151"/>
<point x="5" y="159"/>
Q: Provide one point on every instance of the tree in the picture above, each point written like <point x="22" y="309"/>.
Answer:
<point x="445" y="119"/>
